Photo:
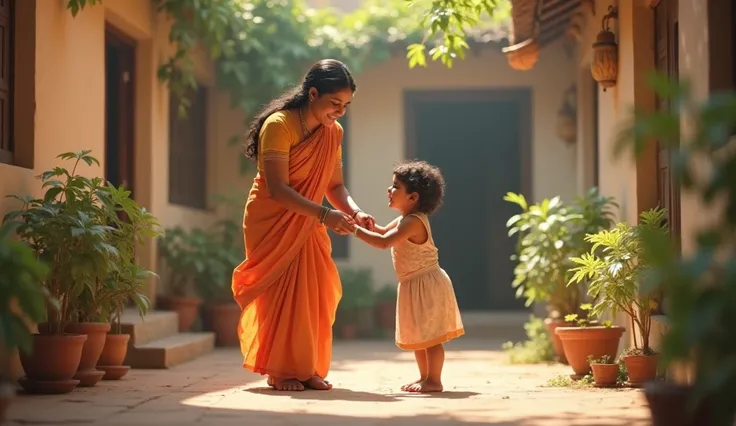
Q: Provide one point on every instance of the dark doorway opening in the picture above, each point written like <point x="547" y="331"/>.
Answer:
<point x="119" y="109"/>
<point x="481" y="140"/>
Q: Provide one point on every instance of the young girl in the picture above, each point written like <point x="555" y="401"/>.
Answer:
<point x="427" y="312"/>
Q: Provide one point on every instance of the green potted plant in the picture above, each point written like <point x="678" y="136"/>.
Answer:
<point x="23" y="303"/>
<point x="355" y="311"/>
<point x="605" y="371"/>
<point x="700" y="285"/>
<point x="220" y="249"/>
<point x="63" y="230"/>
<point x="615" y="276"/>
<point x="176" y="249"/>
<point x="88" y="309"/>
<point x="133" y="226"/>
<point x="386" y="308"/>
<point x="549" y="233"/>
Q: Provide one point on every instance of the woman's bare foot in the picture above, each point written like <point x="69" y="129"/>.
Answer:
<point x="426" y="386"/>
<point x="317" y="383"/>
<point x="408" y="385"/>
<point x="288" y="385"/>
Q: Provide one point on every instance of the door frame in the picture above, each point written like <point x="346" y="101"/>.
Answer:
<point x="127" y="131"/>
<point x="520" y="95"/>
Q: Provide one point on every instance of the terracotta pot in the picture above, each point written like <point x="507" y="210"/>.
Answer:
<point x="581" y="342"/>
<point x="348" y="331"/>
<point x="642" y="369"/>
<point x="116" y="347"/>
<point x="52" y="364"/>
<point x="668" y="403"/>
<point x="366" y="321"/>
<point x="96" y="333"/>
<point x="223" y="319"/>
<point x="552" y="325"/>
<point x="186" y="307"/>
<point x="386" y="313"/>
<point x="113" y="355"/>
<point x="604" y="374"/>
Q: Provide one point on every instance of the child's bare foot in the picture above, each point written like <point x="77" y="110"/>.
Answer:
<point x="317" y="383"/>
<point x="426" y="386"/>
<point x="288" y="385"/>
<point x="408" y="385"/>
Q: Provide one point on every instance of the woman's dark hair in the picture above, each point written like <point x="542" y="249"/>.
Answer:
<point x="327" y="76"/>
<point x="424" y="179"/>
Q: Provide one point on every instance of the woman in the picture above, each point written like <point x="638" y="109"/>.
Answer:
<point x="288" y="286"/>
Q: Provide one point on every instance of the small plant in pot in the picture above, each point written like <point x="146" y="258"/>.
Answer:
<point x="605" y="371"/>
<point x="175" y="248"/>
<point x="386" y="308"/>
<point x="355" y="311"/>
<point x="64" y="231"/>
<point x="23" y="302"/>
<point x="588" y="338"/>
<point x="615" y="276"/>
<point x="549" y="233"/>
<point x="700" y="285"/>
<point x="220" y="250"/>
<point x="132" y="226"/>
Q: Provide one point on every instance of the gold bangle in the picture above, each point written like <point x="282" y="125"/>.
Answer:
<point x="323" y="214"/>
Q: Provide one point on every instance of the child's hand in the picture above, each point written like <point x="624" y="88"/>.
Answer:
<point x="365" y="220"/>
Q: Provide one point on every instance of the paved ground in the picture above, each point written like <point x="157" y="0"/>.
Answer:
<point x="481" y="390"/>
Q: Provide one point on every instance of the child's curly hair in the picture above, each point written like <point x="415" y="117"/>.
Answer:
<point x="424" y="179"/>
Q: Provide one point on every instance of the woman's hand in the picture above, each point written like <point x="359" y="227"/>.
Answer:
<point x="340" y="222"/>
<point x="365" y="220"/>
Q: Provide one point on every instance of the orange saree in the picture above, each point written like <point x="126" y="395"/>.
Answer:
<point x="288" y="286"/>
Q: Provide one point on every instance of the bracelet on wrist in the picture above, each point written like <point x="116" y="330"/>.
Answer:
<point x="352" y="216"/>
<point x="323" y="214"/>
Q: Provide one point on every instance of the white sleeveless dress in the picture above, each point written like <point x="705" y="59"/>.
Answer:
<point x="426" y="308"/>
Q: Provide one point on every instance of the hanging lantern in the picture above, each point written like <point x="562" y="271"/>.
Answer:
<point x="604" y="67"/>
<point x="567" y="118"/>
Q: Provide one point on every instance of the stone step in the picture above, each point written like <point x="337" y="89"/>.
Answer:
<point x="170" y="351"/>
<point x="495" y="325"/>
<point x="154" y="326"/>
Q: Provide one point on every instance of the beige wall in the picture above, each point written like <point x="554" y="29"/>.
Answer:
<point x="69" y="98"/>
<point x="634" y="187"/>
<point x="376" y="128"/>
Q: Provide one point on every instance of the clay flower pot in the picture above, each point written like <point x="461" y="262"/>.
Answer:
<point x="642" y="369"/>
<point x="52" y="364"/>
<point x="386" y="313"/>
<point x="96" y="333"/>
<point x="604" y="375"/>
<point x="552" y="325"/>
<point x="113" y="355"/>
<point x="582" y="342"/>
<point x="669" y="402"/>
<point x="223" y="319"/>
<point x="348" y="331"/>
<point x="186" y="307"/>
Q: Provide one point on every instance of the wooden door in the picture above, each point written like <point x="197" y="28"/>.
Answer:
<point x="666" y="60"/>
<point x="119" y="109"/>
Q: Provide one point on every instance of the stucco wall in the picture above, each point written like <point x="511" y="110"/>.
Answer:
<point x="636" y="189"/>
<point x="376" y="128"/>
<point x="69" y="99"/>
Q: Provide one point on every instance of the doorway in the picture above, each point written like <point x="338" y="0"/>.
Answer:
<point x="481" y="140"/>
<point x="119" y="109"/>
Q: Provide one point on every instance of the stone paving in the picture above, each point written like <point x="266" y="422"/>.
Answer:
<point x="214" y="390"/>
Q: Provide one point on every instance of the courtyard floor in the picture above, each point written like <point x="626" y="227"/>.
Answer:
<point x="213" y="390"/>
